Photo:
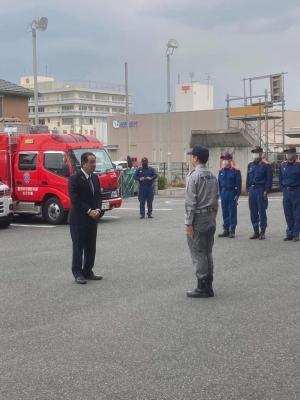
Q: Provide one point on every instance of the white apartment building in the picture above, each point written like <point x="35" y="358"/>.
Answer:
<point x="76" y="107"/>
<point x="194" y="96"/>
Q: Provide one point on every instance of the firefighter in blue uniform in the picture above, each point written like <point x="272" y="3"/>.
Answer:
<point x="289" y="178"/>
<point x="145" y="175"/>
<point x="259" y="184"/>
<point x="230" y="184"/>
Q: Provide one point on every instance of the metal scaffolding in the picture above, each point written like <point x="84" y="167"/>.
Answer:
<point x="260" y="112"/>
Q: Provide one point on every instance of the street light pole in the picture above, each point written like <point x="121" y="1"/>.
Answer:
<point x="171" y="46"/>
<point x="36" y="119"/>
<point x="169" y="104"/>
<point x="39" y="24"/>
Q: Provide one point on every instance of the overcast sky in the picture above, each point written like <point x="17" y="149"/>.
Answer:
<point x="91" y="40"/>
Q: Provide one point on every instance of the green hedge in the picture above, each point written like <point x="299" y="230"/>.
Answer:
<point x="162" y="182"/>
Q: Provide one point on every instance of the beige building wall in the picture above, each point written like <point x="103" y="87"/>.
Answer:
<point x="157" y="135"/>
<point x="15" y="107"/>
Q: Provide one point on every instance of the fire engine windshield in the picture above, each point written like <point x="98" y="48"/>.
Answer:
<point x="103" y="161"/>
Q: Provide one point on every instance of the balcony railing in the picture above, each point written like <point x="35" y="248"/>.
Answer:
<point x="75" y="113"/>
<point x="85" y="85"/>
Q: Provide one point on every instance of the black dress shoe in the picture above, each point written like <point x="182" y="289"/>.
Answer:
<point x="80" y="279"/>
<point x="288" y="238"/>
<point x="92" y="277"/>
<point x="296" y="239"/>
<point x="142" y="216"/>
<point x="225" y="233"/>
<point x="150" y="216"/>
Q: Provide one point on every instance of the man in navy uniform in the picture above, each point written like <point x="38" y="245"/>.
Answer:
<point x="145" y="175"/>
<point x="259" y="184"/>
<point x="289" y="178"/>
<point x="230" y="184"/>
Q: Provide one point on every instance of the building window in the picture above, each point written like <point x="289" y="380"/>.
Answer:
<point x="58" y="123"/>
<point x="67" y="121"/>
<point x="27" y="162"/>
<point x="119" y="110"/>
<point x="41" y="121"/>
<point x="102" y="108"/>
<point x="87" y="121"/>
<point x="48" y="120"/>
<point x="102" y="97"/>
<point x="67" y="95"/>
<point x="67" y="107"/>
<point x="40" y="109"/>
<point x="118" y="98"/>
<point x="85" y="107"/>
<point x="86" y="95"/>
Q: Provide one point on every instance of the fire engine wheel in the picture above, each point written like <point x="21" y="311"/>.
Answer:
<point x="53" y="211"/>
<point x="4" y="225"/>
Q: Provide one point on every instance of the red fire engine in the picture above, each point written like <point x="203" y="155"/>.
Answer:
<point x="36" y="167"/>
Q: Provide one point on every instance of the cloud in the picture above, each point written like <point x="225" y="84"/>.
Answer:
<point x="229" y="39"/>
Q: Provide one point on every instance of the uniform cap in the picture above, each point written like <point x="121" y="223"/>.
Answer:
<point x="200" y="151"/>
<point x="257" y="149"/>
<point x="290" y="150"/>
<point x="226" y="156"/>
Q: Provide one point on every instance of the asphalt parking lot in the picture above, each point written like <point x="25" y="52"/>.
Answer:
<point x="135" y="335"/>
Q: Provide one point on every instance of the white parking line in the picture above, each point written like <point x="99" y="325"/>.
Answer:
<point x="137" y="209"/>
<point x="34" y="226"/>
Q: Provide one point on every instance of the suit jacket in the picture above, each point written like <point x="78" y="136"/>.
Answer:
<point x="83" y="199"/>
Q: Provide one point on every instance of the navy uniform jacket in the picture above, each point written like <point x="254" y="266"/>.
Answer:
<point x="260" y="174"/>
<point x="145" y="173"/>
<point x="230" y="179"/>
<point x="82" y="198"/>
<point x="289" y="174"/>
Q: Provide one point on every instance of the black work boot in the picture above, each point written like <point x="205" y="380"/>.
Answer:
<point x="286" y="239"/>
<point x="255" y="234"/>
<point x="201" y="290"/>
<point x="210" y="279"/>
<point x="225" y="233"/>
<point x="262" y="235"/>
<point x="232" y="234"/>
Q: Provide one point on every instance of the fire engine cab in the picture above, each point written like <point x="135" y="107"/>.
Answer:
<point x="36" y="167"/>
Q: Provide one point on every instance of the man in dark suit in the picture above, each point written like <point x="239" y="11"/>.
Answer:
<point x="85" y="195"/>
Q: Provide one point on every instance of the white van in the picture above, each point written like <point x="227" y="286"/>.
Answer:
<point x="123" y="165"/>
<point x="6" y="206"/>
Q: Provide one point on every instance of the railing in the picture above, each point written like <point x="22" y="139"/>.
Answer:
<point x="78" y="100"/>
<point x="75" y="113"/>
<point x="90" y="85"/>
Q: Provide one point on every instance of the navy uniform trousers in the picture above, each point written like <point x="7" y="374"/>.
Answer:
<point x="291" y="207"/>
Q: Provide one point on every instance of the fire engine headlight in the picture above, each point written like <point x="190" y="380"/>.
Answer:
<point x="114" y="193"/>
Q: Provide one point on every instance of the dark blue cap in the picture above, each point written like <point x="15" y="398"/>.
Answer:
<point x="200" y="151"/>
<point x="257" y="149"/>
<point x="226" y="156"/>
<point x="290" y="150"/>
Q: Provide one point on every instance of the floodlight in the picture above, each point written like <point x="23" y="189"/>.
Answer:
<point x="172" y="44"/>
<point x="40" y="24"/>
